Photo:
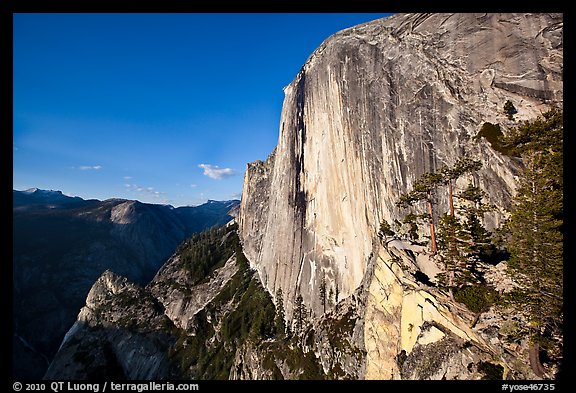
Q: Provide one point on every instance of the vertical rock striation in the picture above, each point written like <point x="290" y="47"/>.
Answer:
<point x="373" y="108"/>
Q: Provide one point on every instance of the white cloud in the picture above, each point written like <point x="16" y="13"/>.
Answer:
<point x="127" y="177"/>
<point x="215" y="172"/>
<point x="145" y="191"/>
<point x="193" y="185"/>
<point x="90" y="167"/>
<point x="236" y="195"/>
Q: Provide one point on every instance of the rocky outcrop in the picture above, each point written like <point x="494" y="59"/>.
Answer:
<point x="181" y="298"/>
<point x="401" y="328"/>
<point x="373" y="108"/>
<point x="121" y="332"/>
<point x="404" y="318"/>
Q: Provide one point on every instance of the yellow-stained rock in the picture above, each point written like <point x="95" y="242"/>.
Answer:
<point x="395" y="315"/>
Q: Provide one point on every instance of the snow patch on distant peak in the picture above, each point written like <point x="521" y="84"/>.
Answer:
<point x="35" y="190"/>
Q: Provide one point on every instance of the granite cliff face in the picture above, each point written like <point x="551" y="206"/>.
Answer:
<point x="373" y="108"/>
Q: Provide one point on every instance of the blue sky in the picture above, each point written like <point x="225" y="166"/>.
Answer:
<point x="162" y="108"/>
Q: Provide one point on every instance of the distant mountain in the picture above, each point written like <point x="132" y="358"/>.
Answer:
<point x="62" y="244"/>
<point x="37" y="197"/>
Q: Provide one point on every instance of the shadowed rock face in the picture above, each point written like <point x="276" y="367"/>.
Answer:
<point x="118" y="335"/>
<point x="373" y="108"/>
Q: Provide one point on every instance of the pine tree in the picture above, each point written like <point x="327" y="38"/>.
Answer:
<point x="451" y="246"/>
<point x="299" y="314"/>
<point x="536" y="225"/>
<point x="422" y="191"/>
<point x="279" y="318"/>
<point x="323" y="293"/>
<point x="460" y="168"/>
<point x="411" y="220"/>
<point x="427" y="184"/>
<point x="454" y="257"/>
<point x="473" y="209"/>
<point x="463" y="237"/>
<point x="385" y="230"/>
<point x="510" y="110"/>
